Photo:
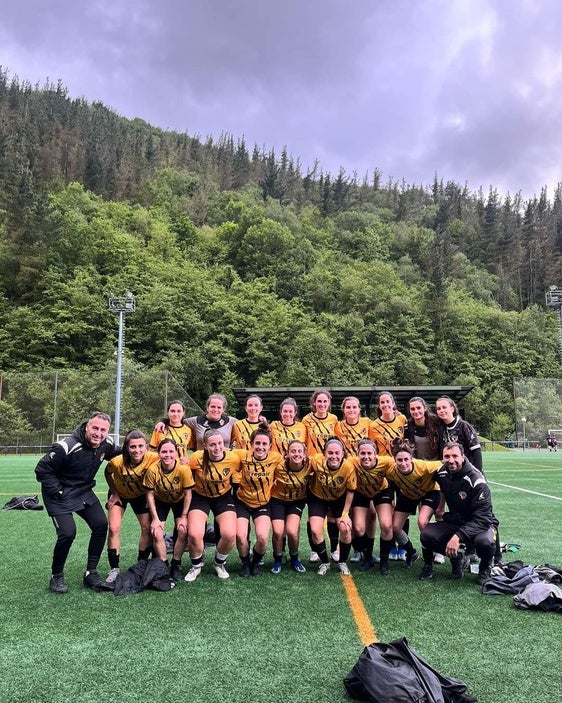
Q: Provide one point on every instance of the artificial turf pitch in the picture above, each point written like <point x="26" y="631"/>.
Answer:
<point x="288" y="637"/>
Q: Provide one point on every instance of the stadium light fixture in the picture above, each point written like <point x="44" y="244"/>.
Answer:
<point x="120" y="305"/>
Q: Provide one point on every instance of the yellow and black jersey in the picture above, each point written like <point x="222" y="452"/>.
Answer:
<point x="169" y="486"/>
<point x="290" y="485"/>
<point x="282" y="435"/>
<point x="382" y="432"/>
<point x="373" y="481"/>
<point x="182" y="436"/>
<point x="328" y="484"/>
<point x="420" y="481"/>
<point x="241" y="433"/>
<point x="255" y="478"/>
<point x="318" y="431"/>
<point x="129" y="480"/>
<point x="213" y="478"/>
<point x="350" y="435"/>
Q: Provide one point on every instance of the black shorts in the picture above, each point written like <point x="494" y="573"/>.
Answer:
<point x="245" y="511"/>
<point x="386" y="496"/>
<point x="218" y="506"/>
<point x="408" y="505"/>
<point x="163" y="509"/>
<point x="138" y="504"/>
<point x="317" y="507"/>
<point x="280" y="509"/>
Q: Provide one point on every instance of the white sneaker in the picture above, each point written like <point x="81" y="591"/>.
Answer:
<point x="220" y="571"/>
<point x="355" y="558"/>
<point x="193" y="573"/>
<point x="335" y="556"/>
<point x="112" y="575"/>
<point x="438" y="558"/>
<point x="323" y="569"/>
<point x="344" y="569"/>
<point x="313" y="558"/>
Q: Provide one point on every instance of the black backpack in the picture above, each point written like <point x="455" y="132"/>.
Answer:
<point x="24" y="502"/>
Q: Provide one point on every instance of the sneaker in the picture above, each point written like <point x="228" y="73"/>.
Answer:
<point x="411" y="559"/>
<point x="458" y="565"/>
<point x="323" y="569"/>
<point x="401" y="555"/>
<point x="192" y="574"/>
<point x="175" y="572"/>
<point x="255" y="569"/>
<point x="91" y="579"/>
<point x="376" y="559"/>
<point x="383" y="567"/>
<point x="245" y="570"/>
<point x="438" y="558"/>
<point x="427" y="573"/>
<point x="57" y="584"/>
<point x="335" y="556"/>
<point x="355" y="558"/>
<point x="112" y="575"/>
<point x="297" y="566"/>
<point x="393" y="556"/>
<point x="276" y="568"/>
<point x="367" y="564"/>
<point x="313" y="558"/>
<point x="344" y="569"/>
<point x="220" y="571"/>
<point x="483" y="575"/>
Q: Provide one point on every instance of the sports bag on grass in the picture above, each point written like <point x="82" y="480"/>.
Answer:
<point x="394" y="673"/>
<point x="25" y="502"/>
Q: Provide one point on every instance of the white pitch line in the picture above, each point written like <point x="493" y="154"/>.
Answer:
<point x="525" y="490"/>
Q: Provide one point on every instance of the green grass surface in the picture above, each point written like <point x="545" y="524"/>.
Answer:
<point x="278" y="638"/>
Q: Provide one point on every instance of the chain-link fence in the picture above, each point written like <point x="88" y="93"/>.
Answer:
<point x="538" y="410"/>
<point x="36" y="408"/>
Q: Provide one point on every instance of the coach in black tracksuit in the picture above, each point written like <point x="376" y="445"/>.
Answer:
<point x="469" y="520"/>
<point x="67" y="476"/>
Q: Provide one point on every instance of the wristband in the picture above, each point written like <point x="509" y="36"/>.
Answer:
<point x="345" y="514"/>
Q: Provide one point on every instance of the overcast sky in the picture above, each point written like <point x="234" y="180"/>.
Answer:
<point x="470" y="89"/>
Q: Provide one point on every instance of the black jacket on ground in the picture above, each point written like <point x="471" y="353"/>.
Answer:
<point x="67" y="472"/>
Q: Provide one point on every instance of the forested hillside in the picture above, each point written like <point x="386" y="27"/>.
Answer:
<point x="247" y="271"/>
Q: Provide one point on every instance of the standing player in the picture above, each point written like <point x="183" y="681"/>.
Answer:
<point x="213" y="469"/>
<point x="353" y="428"/>
<point x="67" y="477"/>
<point x="168" y="483"/>
<point x="320" y="423"/>
<point x="243" y="429"/>
<point x="388" y="425"/>
<point x="125" y="476"/>
<point x="252" y="491"/>
<point x="175" y="429"/>
<point x="288" y="427"/>
<point x="331" y="488"/>
<point x="288" y="498"/>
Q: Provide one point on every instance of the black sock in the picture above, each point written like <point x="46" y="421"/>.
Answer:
<point x="144" y="553"/>
<point x="344" y="551"/>
<point x="256" y="557"/>
<point x="320" y="549"/>
<point x="385" y="545"/>
<point x="113" y="558"/>
<point x="334" y="536"/>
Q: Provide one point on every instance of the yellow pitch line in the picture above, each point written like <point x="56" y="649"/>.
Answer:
<point x="360" y="615"/>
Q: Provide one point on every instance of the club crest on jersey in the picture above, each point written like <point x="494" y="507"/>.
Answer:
<point x="176" y="480"/>
<point x="462" y="495"/>
<point x="225" y="472"/>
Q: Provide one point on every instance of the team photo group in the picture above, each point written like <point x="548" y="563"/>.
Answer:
<point x="218" y="476"/>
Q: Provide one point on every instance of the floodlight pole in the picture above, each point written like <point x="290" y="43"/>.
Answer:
<point x="121" y="306"/>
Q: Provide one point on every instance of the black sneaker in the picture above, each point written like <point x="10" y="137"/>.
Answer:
<point x="458" y="565"/>
<point x="411" y="558"/>
<point x="383" y="567"/>
<point x="255" y="570"/>
<point x="175" y="572"/>
<point x="427" y="573"/>
<point x="92" y="579"/>
<point x="245" y="570"/>
<point x="483" y="575"/>
<point x="58" y="584"/>
<point x="366" y="564"/>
